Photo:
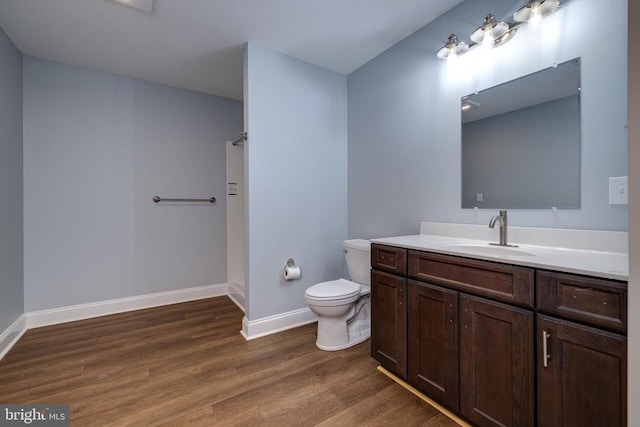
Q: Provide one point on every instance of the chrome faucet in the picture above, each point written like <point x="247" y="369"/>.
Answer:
<point x="502" y="219"/>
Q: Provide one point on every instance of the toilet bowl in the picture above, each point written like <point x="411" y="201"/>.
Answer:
<point x="343" y="306"/>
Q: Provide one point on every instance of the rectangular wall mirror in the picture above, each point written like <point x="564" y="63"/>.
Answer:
<point x="521" y="142"/>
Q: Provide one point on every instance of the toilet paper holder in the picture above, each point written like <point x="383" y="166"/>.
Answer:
<point x="291" y="271"/>
<point x="290" y="263"/>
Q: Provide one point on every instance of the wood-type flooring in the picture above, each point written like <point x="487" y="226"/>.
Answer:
<point x="187" y="364"/>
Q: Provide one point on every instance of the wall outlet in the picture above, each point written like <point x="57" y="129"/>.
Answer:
<point x="478" y="197"/>
<point x="619" y="190"/>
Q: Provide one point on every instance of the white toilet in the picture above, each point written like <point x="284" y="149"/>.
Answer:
<point x="343" y="306"/>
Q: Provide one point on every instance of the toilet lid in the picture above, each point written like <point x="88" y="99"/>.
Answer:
<point x="340" y="288"/>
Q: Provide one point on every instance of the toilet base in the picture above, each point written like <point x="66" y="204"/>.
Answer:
<point x="351" y="343"/>
<point x="336" y="333"/>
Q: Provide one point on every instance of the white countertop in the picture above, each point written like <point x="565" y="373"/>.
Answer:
<point x="610" y="265"/>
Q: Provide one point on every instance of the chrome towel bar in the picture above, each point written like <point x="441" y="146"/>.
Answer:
<point x="157" y="199"/>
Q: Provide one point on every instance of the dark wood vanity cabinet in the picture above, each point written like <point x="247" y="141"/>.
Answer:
<point x="433" y="342"/>
<point x="582" y="375"/>
<point x="389" y="259"/>
<point x="596" y="302"/>
<point x="487" y="376"/>
<point x="582" y="351"/>
<point x="501" y="282"/>
<point x="389" y="308"/>
<point x="496" y="363"/>
<point x="389" y="322"/>
<point x="500" y="344"/>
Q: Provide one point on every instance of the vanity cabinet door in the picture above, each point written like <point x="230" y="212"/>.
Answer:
<point x="433" y="342"/>
<point x="496" y="363"/>
<point x="582" y="375"/>
<point x="389" y="322"/>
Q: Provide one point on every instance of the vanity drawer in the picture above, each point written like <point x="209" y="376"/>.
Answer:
<point x="389" y="259"/>
<point x="597" y="302"/>
<point x="494" y="280"/>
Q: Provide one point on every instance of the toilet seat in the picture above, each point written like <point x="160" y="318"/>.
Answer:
<point x="332" y="293"/>
<point x="333" y="289"/>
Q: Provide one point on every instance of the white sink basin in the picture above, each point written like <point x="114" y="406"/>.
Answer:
<point x="491" y="250"/>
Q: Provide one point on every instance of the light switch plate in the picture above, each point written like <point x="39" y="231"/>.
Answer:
<point x="619" y="190"/>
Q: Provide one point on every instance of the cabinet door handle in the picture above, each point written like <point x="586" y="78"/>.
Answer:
<point x="545" y="348"/>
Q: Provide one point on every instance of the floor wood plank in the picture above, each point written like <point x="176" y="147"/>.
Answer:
<point x="186" y="364"/>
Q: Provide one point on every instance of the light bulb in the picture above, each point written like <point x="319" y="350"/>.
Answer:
<point x="535" y="19"/>
<point x="453" y="56"/>
<point x="487" y="40"/>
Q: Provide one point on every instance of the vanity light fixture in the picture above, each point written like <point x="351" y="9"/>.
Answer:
<point x="490" y="33"/>
<point x="534" y="11"/>
<point x="452" y="48"/>
<point x="494" y="33"/>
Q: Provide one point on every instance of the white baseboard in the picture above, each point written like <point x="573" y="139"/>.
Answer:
<point x="36" y="319"/>
<point x="12" y="334"/>
<point x="252" y="329"/>
<point x="236" y="294"/>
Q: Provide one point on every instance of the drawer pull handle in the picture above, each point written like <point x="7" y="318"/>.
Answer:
<point x="545" y="348"/>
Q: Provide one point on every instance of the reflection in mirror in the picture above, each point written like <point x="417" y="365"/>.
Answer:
<point x="521" y="142"/>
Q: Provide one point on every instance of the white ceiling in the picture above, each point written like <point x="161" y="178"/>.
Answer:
<point x="197" y="44"/>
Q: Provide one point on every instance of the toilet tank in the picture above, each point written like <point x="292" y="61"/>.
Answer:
<point x="358" y="255"/>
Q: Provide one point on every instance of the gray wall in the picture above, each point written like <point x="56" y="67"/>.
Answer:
<point x="11" y="238"/>
<point x="296" y="163"/>
<point x="535" y="148"/>
<point x="97" y="148"/>
<point x="404" y="118"/>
